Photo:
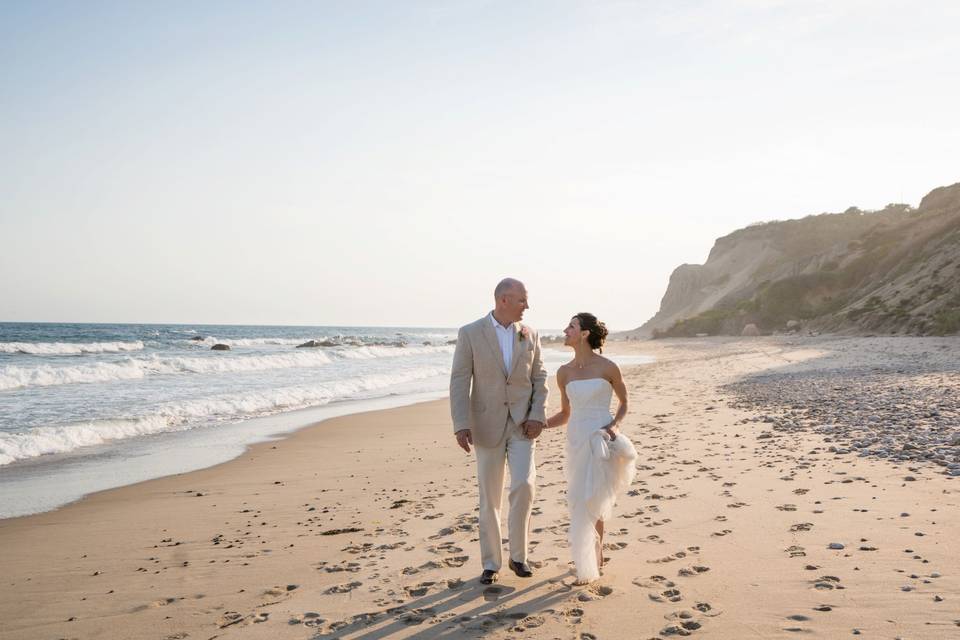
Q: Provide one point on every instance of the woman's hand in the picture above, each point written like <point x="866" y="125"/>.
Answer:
<point x="612" y="430"/>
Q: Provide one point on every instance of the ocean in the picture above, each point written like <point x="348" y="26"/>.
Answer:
<point x="87" y="407"/>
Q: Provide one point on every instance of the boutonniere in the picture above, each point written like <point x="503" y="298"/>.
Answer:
<point x="524" y="333"/>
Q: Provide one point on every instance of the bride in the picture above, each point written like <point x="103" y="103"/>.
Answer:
<point x="600" y="460"/>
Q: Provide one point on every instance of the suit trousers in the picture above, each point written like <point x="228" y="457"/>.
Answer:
<point x="516" y="451"/>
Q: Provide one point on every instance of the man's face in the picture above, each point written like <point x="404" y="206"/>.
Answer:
<point x="514" y="303"/>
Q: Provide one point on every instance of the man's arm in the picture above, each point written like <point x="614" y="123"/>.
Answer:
<point x="538" y="376"/>
<point x="461" y="374"/>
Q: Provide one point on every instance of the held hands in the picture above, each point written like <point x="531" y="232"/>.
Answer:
<point x="464" y="439"/>
<point x="532" y="429"/>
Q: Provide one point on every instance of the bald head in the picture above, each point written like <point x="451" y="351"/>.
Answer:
<point x="511" y="301"/>
<point x="506" y="286"/>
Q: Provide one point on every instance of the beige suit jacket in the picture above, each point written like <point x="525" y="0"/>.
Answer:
<point x="483" y="393"/>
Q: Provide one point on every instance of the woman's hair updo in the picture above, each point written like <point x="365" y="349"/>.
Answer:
<point x="598" y="330"/>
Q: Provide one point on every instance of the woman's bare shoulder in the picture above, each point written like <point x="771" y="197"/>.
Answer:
<point x="610" y="368"/>
<point x="563" y="370"/>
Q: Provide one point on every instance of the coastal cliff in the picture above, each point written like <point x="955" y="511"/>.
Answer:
<point x="896" y="270"/>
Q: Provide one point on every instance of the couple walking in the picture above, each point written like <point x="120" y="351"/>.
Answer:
<point x="498" y="394"/>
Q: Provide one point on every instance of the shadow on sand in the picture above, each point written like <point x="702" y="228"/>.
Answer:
<point x="491" y="607"/>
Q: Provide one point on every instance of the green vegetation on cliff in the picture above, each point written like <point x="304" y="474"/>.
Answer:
<point x="895" y="270"/>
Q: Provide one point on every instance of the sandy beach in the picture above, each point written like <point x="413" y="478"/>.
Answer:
<point x="788" y="486"/>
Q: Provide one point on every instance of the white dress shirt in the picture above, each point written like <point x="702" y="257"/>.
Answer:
<point x="505" y="337"/>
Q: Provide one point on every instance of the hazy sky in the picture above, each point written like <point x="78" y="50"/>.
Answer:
<point x="385" y="163"/>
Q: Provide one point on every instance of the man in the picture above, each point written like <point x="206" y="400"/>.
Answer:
<point x="501" y="416"/>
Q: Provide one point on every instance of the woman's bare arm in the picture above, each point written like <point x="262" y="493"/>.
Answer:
<point x="561" y="417"/>
<point x="615" y="378"/>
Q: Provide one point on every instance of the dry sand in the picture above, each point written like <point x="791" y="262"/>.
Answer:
<point x="364" y="526"/>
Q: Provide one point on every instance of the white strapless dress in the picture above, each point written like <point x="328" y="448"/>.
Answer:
<point x="597" y="469"/>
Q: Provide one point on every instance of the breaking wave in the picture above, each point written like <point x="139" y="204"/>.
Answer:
<point x="181" y="416"/>
<point x="15" y="377"/>
<point x="68" y="348"/>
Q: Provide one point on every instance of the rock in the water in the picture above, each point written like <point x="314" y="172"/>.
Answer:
<point x="317" y="343"/>
<point x="198" y="338"/>
<point x="220" y="347"/>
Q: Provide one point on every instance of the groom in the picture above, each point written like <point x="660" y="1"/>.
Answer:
<point x="501" y="415"/>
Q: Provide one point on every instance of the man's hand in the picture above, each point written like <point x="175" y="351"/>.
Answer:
<point x="464" y="439"/>
<point x="532" y="429"/>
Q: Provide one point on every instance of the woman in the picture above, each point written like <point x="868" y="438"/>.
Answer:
<point x="600" y="461"/>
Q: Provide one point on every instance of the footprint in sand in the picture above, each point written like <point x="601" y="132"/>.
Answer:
<point x="796" y="551"/>
<point x="720" y="534"/>
<point x="455" y="561"/>
<point x="595" y="592"/>
<point x="279" y="591"/>
<point x="685" y="623"/>
<point x="787" y="507"/>
<point x="417" y="616"/>
<point x="162" y="602"/>
<point x="669" y="595"/>
<point x="530" y="622"/>
<point x="310" y="619"/>
<point x="573" y="616"/>
<point x="801" y="526"/>
<point x="692" y="571"/>
<point x="419" y="590"/>
<point x="229" y="618"/>
<point x="685" y="628"/>
<point x="826" y="583"/>
<point x="343" y="588"/>
<point x="352" y="567"/>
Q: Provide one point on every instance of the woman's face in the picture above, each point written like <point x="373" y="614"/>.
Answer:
<point x="572" y="334"/>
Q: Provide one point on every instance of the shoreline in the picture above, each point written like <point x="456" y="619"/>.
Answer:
<point x="365" y="527"/>
<point x="78" y="473"/>
<point x="240" y="438"/>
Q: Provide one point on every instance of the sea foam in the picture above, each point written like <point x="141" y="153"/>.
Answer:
<point x="68" y="348"/>
<point x="179" y="416"/>
<point x="15" y="376"/>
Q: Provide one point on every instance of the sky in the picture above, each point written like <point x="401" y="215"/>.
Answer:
<point x="386" y="163"/>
